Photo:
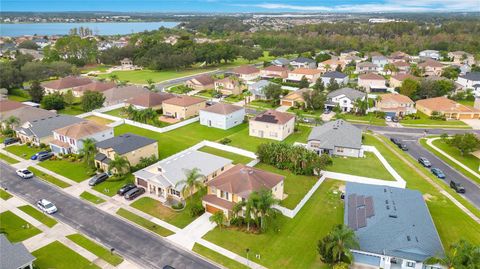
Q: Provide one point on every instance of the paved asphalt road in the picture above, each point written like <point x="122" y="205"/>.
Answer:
<point x="133" y="243"/>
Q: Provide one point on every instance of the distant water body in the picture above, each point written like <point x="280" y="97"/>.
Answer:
<point x="98" y="28"/>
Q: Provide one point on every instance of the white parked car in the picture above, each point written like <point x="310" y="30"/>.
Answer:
<point x="24" y="173"/>
<point x="46" y="206"/>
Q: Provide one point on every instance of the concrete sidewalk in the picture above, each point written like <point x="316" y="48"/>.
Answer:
<point x="193" y="232"/>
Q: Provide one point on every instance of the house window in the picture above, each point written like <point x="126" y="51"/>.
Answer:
<point x="410" y="264"/>
<point x="223" y="168"/>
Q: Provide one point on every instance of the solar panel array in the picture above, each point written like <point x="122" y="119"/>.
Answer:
<point x="267" y="118"/>
<point x="359" y="209"/>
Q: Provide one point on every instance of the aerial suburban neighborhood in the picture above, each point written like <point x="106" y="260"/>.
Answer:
<point x="239" y="135"/>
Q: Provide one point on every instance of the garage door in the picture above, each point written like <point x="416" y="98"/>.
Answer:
<point x="212" y="209"/>
<point x="465" y="116"/>
<point x="287" y="103"/>
<point x="142" y="182"/>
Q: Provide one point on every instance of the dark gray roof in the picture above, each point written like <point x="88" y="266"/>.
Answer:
<point x="337" y="133"/>
<point x="281" y="61"/>
<point x="44" y="127"/>
<point x="399" y="225"/>
<point x="303" y="60"/>
<point x="350" y="93"/>
<point x="334" y="74"/>
<point x="13" y="256"/>
<point x="474" y="76"/>
<point x="257" y="87"/>
<point x="125" y="143"/>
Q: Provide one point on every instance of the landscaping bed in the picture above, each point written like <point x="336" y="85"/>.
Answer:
<point x="144" y="223"/>
<point x="16" y="229"/>
<point x="57" y="255"/>
<point x="96" y="249"/>
<point x="43" y="218"/>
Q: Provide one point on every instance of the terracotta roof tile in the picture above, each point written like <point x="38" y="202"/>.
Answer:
<point x="67" y="82"/>
<point x="371" y="76"/>
<point x="150" y="99"/>
<point x="183" y="101"/>
<point x="399" y="98"/>
<point x="7" y="105"/>
<point x="443" y="104"/>
<point x="82" y="129"/>
<point x="246" y="69"/>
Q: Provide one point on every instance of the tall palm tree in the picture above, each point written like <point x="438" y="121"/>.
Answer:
<point x="119" y="165"/>
<point x="89" y="150"/>
<point x="218" y="218"/>
<point x="342" y="239"/>
<point x="461" y="254"/>
<point x="192" y="181"/>
<point x="113" y="78"/>
<point x="12" y="121"/>
<point x="264" y="205"/>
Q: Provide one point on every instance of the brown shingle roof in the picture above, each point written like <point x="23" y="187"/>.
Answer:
<point x="7" y="105"/>
<point x="204" y="79"/>
<point x="183" y="101"/>
<point x="273" y="116"/>
<point x="443" y="104"/>
<point x="430" y="63"/>
<point x="222" y="108"/>
<point x="401" y="64"/>
<point x="82" y="129"/>
<point x="246" y="69"/>
<point x="402" y="77"/>
<point x="243" y="180"/>
<point x="97" y="86"/>
<point x="213" y="199"/>
<point x="399" y="98"/>
<point x="67" y="82"/>
<point x="150" y="99"/>
<point x="306" y="71"/>
<point x="371" y="76"/>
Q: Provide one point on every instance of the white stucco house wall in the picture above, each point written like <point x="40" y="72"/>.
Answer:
<point x="222" y="116"/>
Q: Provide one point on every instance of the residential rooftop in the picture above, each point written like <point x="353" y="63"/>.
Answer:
<point x="274" y="117"/>
<point x="337" y="133"/>
<point x="222" y="108"/>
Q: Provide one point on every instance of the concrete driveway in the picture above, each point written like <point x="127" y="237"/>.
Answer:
<point x="475" y="124"/>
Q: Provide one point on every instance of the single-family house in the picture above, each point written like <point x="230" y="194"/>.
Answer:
<point x="40" y="131"/>
<point x="272" y="124"/>
<point x="221" y="115"/>
<point x="200" y="83"/>
<point x="310" y="74"/>
<point x="62" y="85"/>
<point x="247" y="72"/>
<point x="281" y="62"/>
<point x="274" y="71"/>
<point x="257" y="89"/>
<point x="462" y="57"/>
<point x="294" y="98"/>
<point x="380" y="62"/>
<point x="95" y="86"/>
<point x="447" y="107"/>
<point x="130" y="146"/>
<point x="120" y="94"/>
<point x="14" y="255"/>
<point x="330" y="65"/>
<point x="149" y="99"/>
<point x="339" y="77"/>
<point x="402" y="67"/>
<point x="399" y="56"/>
<point x="302" y="62"/>
<point x="431" y="68"/>
<point x="24" y="114"/>
<point x="393" y="226"/>
<point x="183" y="107"/>
<point x="397" y="80"/>
<point x="348" y="52"/>
<point x="394" y="104"/>
<point x="336" y="138"/>
<point x="126" y="63"/>
<point x="365" y="67"/>
<point x="8" y="105"/>
<point x="229" y="86"/>
<point x="470" y="81"/>
<point x="372" y="82"/>
<point x="431" y="54"/>
<point x="164" y="178"/>
<point x="345" y="98"/>
<point x="69" y="139"/>
<point x="236" y="185"/>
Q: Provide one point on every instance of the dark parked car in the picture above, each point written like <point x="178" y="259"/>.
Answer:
<point x="457" y="187"/>
<point x="35" y="156"/>
<point x="134" y="193"/>
<point x="44" y="156"/>
<point x="10" y="140"/>
<point x="395" y="119"/>
<point x="168" y="267"/>
<point x="125" y="189"/>
<point x="403" y="147"/>
<point x="438" y="173"/>
<point x="395" y="141"/>
<point x="97" y="179"/>
<point x="423" y="161"/>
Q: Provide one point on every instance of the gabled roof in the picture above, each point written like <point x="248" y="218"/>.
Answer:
<point x="242" y="180"/>
<point x="44" y="127"/>
<point x="273" y="116"/>
<point x="296" y="95"/>
<point x="281" y="61"/>
<point x="246" y="69"/>
<point x="350" y="93"/>
<point x="122" y="93"/>
<point x="203" y="80"/>
<point x="97" y="86"/>
<point x="379" y="58"/>
<point x="371" y="76"/>
<point x="67" y="83"/>
<point x="334" y="74"/>
<point x="474" y="76"/>
<point x="443" y="104"/>
<point x="303" y="60"/>
<point x="222" y="108"/>
<point x="7" y="105"/>
<point x="125" y="143"/>
<point x="257" y="87"/>
<point x="366" y="64"/>
<point x="391" y="221"/>
<point x="305" y="71"/>
<point x="26" y="113"/>
<point x="13" y="255"/>
<point x="275" y="68"/>
<point x="398" y="98"/>
<point x="401" y="64"/>
<point x="150" y="99"/>
<point x="402" y="77"/>
<point x="430" y="63"/>
<point x="82" y="129"/>
<point x="337" y="133"/>
<point x="183" y="101"/>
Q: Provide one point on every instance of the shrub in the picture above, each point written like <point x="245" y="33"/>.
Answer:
<point x="437" y="116"/>
<point x="177" y="206"/>
<point x="225" y="141"/>
<point x="196" y="210"/>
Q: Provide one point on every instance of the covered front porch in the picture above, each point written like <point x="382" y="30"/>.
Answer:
<point x="60" y="147"/>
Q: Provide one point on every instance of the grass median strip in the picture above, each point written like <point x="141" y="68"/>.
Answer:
<point x="100" y="251"/>
<point x="5" y="195"/>
<point x="8" y="159"/>
<point x="217" y="257"/>
<point x="57" y="255"/>
<point x="91" y="198"/>
<point x="144" y="223"/>
<point x="49" y="178"/>
<point x="30" y="210"/>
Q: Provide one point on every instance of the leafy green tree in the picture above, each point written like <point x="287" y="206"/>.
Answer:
<point x="218" y="218"/>
<point x="69" y="98"/>
<point x="332" y="85"/>
<point x="89" y="151"/>
<point x="28" y="44"/>
<point x="319" y="86"/>
<point x="461" y="254"/>
<point x="119" y="165"/>
<point x="410" y="87"/>
<point x="322" y="57"/>
<point x="465" y="143"/>
<point x="273" y="92"/>
<point x="303" y="83"/>
<point x="92" y="100"/>
<point x="53" y="101"/>
<point x="36" y="91"/>
<point x="335" y="247"/>
<point x="451" y="72"/>
<point x="314" y="100"/>
<point x="10" y="76"/>
<point x="265" y="201"/>
<point x="250" y="54"/>
<point x="193" y="181"/>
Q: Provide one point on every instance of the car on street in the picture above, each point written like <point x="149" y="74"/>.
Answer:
<point x="125" y="189"/>
<point x="46" y="206"/>
<point x="388" y="118"/>
<point x="35" y="156"/>
<point x="395" y="141"/>
<point x="97" y="179"/>
<point x="457" y="186"/>
<point x="438" y="173"/>
<point x="134" y="193"/>
<point x="44" y="156"/>
<point x="403" y="147"/>
<point x="10" y="140"/>
<point x="24" y="173"/>
<point x="424" y="161"/>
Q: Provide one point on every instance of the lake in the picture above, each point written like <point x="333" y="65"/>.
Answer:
<point x="99" y="28"/>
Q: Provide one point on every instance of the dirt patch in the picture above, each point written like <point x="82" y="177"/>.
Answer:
<point x="427" y="197"/>
<point x="168" y="119"/>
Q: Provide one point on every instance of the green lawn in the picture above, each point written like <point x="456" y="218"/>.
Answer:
<point x="8" y="159"/>
<point x="306" y="113"/>
<point x="367" y="119"/>
<point x="236" y="158"/>
<point x="5" y="195"/>
<point x="468" y="160"/>
<point x="99" y="68"/>
<point x="111" y="186"/>
<point x="23" y="150"/>
<point x="262" y="104"/>
<point x="99" y="120"/>
<point x="178" y="218"/>
<point x="18" y="95"/>
<point x="72" y="110"/>
<point x="57" y="255"/>
<point x="144" y="223"/>
<point x="294" y="243"/>
<point x="116" y="113"/>
<point x="16" y="229"/>
<point x="96" y="249"/>
<point x="141" y="76"/>
<point x="49" y="178"/>
<point x="179" y="89"/>
<point x="425" y="121"/>
<point x="365" y="167"/>
<point x="91" y="198"/>
<point x="466" y="102"/>
<point x="217" y="257"/>
<point x="43" y="218"/>
<point x="76" y="171"/>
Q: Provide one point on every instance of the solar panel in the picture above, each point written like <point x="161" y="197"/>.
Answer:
<point x="352" y="211"/>
<point x="360" y="200"/>
<point x="267" y="118"/>
<point x="369" y="206"/>
<point x="361" y="217"/>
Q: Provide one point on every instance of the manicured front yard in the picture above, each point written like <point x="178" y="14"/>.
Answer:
<point x="294" y="243"/>
<point x="49" y="178"/>
<point x="8" y="159"/>
<point x="16" y="229"/>
<point x="91" y="198"/>
<point x="5" y="195"/>
<point x="43" y="218"/>
<point x="23" y="150"/>
<point x="96" y="249"/>
<point x="217" y="257"/>
<point x="76" y="171"/>
<point x="370" y="166"/>
<point x="57" y="255"/>
<point x="262" y="104"/>
<point x="367" y="119"/>
<point x="144" y="223"/>
<point x="111" y="186"/>
<point x="99" y="120"/>
<point x="468" y="160"/>
<point x="236" y="158"/>
<point x="425" y="121"/>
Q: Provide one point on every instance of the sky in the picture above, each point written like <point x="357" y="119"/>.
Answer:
<point x="243" y="5"/>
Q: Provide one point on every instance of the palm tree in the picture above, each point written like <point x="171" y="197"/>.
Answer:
<point x="337" y="244"/>
<point x="12" y="121"/>
<point x="191" y="182"/>
<point x="150" y="84"/>
<point x="218" y="218"/>
<point x="119" y="165"/>
<point x="461" y="254"/>
<point x="113" y="78"/>
<point x="265" y="204"/>
<point x="89" y="150"/>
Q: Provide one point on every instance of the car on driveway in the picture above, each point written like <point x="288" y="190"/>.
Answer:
<point x="423" y="161"/>
<point x="46" y="206"/>
<point x="24" y="173"/>
<point x="134" y="193"/>
<point x="97" y="179"/>
<point x="457" y="186"/>
<point x="35" y="156"/>
<point x="10" y="140"/>
<point x="125" y="189"/>
<point x="438" y="173"/>
<point x="44" y="156"/>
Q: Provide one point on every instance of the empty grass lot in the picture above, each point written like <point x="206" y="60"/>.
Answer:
<point x="5" y="195"/>
<point x="116" y="113"/>
<point x="365" y="167"/>
<point x="367" y="119"/>
<point x="294" y="243"/>
<point x="8" y="159"/>
<point x="76" y="171"/>
<point x="144" y="223"/>
<point x="101" y="252"/>
<point x="99" y="120"/>
<point x="141" y="76"/>
<point x="43" y="218"/>
<point x="91" y="198"/>
<point x="23" y="151"/>
<point x="217" y="257"/>
<point x="16" y="229"/>
<point x="48" y="178"/>
<point x="57" y="255"/>
<point x="236" y="158"/>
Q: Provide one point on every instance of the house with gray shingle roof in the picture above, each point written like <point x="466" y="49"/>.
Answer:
<point x="344" y="98"/>
<point x="14" y="256"/>
<point x="339" y="77"/>
<point x="336" y="138"/>
<point x="256" y="89"/>
<point x="393" y="226"/>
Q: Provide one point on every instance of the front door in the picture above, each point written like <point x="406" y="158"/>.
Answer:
<point x="260" y="133"/>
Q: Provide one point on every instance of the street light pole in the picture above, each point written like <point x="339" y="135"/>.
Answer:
<point x="247" y="250"/>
